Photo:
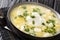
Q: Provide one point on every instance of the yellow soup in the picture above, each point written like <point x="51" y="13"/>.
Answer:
<point x="35" y="20"/>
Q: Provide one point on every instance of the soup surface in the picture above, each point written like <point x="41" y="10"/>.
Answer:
<point x="35" y="20"/>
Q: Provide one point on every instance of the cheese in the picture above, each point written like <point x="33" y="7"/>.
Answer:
<point x="37" y="30"/>
<point x="29" y="20"/>
<point x="50" y="25"/>
<point x="22" y="28"/>
<point x="19" y="12"/>
<point x="47" y="35"/>
<point x="33" y="6"/>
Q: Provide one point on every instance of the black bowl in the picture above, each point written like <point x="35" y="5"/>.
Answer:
<point x="24" y="35"/>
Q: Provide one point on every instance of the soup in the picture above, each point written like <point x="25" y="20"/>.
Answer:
<point x="35" y="20"/>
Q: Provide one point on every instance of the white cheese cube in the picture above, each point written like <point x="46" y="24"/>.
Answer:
<point x="19" y="12"/>
<point x="37" y="30"/>
<point x="22" y="28"/>
<point x="50" y="25"/>
<point x="47" y="35"/>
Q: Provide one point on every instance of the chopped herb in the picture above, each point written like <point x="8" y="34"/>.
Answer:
<point x="24" y="7"/>
<point x="40" y="14"/>
<point x="43" y="24"/>
<point x="50" y="30"/>
<point x="15" y="17"/>
<point x="33" y="22"/>
<point x="54" y="16"/>
<point x="27" y="30"/>
<point x="47" y="22"/>
<point x="50" y="21"/>
<point x="53" y="25"/>
<point x="32" y="16"/>
<point x="20" y="16"/>
<point x="25" y="13"/>
<point x="32" y="27"/>
<point x="36" y="10"/>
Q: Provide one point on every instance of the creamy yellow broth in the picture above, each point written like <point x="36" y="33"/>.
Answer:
<point x="35" y="20"/>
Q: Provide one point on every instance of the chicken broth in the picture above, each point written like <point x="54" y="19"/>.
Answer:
<point x="35" y="20"/>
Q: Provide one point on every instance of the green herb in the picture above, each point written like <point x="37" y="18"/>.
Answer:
<point x="20" y="16"/>
<point x="33" y="22"/>
<point x="54" y="16"/>
<point x="40" y="14"/>
<point x="36" y="10"/>
<point x="15" y="17"/>
<point x="43" y="24"/>
<point x="25" y="13"/>
<point x="32" y="27"/>
<point x="51" y="21"/>
<point x="53" y="25"/>
<point x="32" y="16"/>
<point x="47" y="22"/>
<point x="50" y="30"/>
<point x="27" y="30"/>
<point x="24" y="7"/>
